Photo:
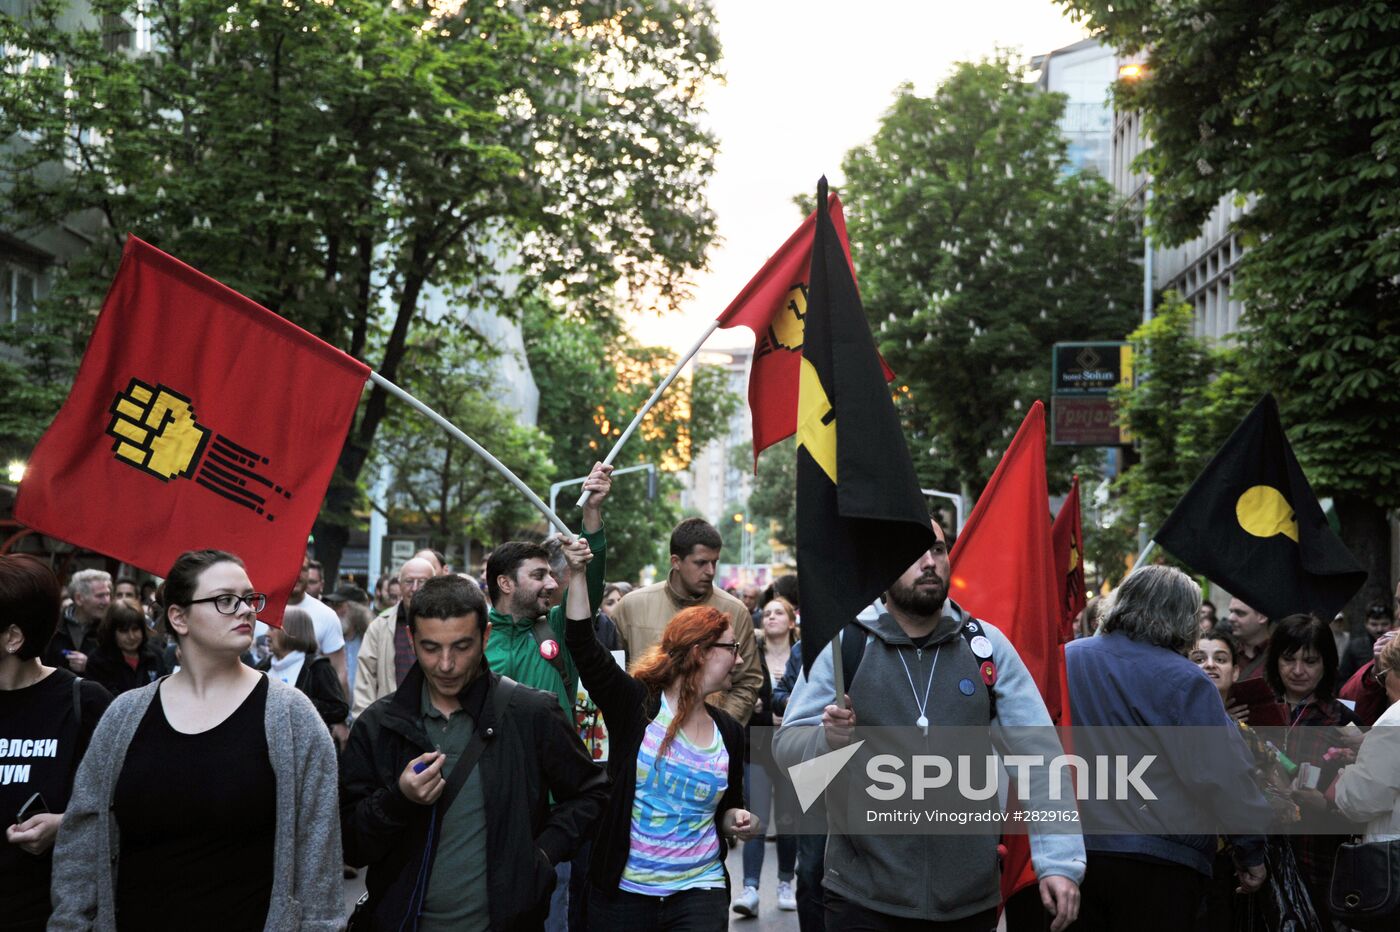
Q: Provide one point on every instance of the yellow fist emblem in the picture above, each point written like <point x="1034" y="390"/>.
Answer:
<point x="156" y="431"/>
<point x="788" y="326"/>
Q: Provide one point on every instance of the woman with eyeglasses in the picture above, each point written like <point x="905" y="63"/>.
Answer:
<point x="209" y="800"/>
<point x="677" y="768"/>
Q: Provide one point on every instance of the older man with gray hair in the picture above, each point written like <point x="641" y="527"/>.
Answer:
<point x="1134" y="674"/>
<point x="386" y="651"/>
<point x="76" y="636"/>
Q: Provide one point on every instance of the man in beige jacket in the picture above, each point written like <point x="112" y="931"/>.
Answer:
<point x="642" y="614"/>
<point x="376" y="673"/>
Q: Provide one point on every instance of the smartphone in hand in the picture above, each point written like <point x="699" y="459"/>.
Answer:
<point x="33" y="806"/>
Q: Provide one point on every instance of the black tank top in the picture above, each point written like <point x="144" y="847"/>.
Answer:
<point x="198" y="817"/>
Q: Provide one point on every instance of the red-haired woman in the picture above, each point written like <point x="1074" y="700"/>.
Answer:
<point x="677" y="767"/>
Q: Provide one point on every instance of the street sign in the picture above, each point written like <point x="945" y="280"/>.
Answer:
<point x="1083" y="375"/>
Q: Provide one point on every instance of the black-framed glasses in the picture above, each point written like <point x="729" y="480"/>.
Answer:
<point x="227" y="603"/>
<point x="727" y="645"/>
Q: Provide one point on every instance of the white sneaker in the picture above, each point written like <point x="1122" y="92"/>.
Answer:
<point x="747" y="902"/>
<point x="787" y="896"/>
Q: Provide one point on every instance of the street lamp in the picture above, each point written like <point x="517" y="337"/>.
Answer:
<point x="16" y="471"/>
<point x="746" y="530"/>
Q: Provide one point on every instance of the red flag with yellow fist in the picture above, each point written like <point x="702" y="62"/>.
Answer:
<point x="774" y="306"/>
<point x="198" y="419"/>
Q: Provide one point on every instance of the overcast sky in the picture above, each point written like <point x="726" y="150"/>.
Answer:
<point x="806" y="82"/>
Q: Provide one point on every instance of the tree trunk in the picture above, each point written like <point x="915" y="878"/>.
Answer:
<point x="332" y="536"/>
<point x="1366" y="533"/>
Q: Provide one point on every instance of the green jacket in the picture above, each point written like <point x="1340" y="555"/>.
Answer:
<point x="512" y="651"/>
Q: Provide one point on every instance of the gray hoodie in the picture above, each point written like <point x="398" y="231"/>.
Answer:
<point x="926" y="876"/>
<point x="306" y="879"/>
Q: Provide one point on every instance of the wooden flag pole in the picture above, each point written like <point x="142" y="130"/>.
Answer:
<point x="476" y="448"/>
<point x="651" y="402"/>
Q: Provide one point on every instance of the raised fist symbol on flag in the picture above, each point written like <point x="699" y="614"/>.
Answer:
<point x="156" y="431"/>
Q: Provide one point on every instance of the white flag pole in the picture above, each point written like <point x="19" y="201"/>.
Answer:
<point x="651" y="402"/>
<point x="476" y="448"/>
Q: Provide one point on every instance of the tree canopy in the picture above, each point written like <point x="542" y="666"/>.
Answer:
<point x="1297" y="105"/>
<point x="339" y="162"/>
<point x="976" y="250"/>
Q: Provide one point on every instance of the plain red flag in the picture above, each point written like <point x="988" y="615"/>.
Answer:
<point x="773" y="305"/>
<point x="198" y="419"/>
<point x="1004" y="572"/>
<point x="1068" y="535"/>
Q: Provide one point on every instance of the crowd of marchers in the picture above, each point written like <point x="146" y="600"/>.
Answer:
<point x="538" y="749"/>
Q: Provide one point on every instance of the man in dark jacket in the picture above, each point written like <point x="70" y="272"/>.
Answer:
<point x="474" y="849"/>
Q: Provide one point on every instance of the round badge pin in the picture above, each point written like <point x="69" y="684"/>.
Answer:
<point x="989" y="673"/>
<point x="981" y="647"/>
<point x="549" y="649"/>
<point x="966" y="687"/>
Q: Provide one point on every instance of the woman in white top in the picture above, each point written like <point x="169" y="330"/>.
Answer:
<point x="1369" y="790"/>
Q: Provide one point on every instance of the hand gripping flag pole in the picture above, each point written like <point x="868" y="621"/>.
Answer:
<point x="481" y="451"/>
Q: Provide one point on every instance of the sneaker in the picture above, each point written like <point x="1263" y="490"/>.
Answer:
<point x="787" y="896"/>
<point x="747" y="902"/>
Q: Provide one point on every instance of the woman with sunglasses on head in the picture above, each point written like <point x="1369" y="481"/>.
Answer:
<point x="210" y="800"/>
<point x="677" y="766"/>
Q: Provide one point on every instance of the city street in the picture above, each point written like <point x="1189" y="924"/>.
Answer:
<point x="770" y="918"/>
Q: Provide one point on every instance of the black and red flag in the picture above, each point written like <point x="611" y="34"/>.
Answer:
<point x="198" y="419"/>
<point x="774" y="306"/>
<point x="861" y="519"/>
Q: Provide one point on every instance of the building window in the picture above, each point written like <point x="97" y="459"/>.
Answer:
<point x="18" y="290"/>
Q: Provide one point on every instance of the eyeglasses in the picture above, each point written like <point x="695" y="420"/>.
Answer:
<point x="1379" y="673"/>
<point x="727" y="645"/>
<point x="227" y="603"/>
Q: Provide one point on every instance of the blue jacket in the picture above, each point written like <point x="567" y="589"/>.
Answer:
<point x="1117" y="681"/>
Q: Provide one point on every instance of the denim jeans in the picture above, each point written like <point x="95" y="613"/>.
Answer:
<point x="558" y="920"/>
<point x="688" y="911"/>
<point x="811" y="868"/>
<point x="764" y="797"/>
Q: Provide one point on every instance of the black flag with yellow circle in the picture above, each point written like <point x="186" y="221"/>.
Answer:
<point x="1251" y="523"/>
<point x="861" y="519"/>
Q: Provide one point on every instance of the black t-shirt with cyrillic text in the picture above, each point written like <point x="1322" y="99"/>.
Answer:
<point x="42" y="740"/>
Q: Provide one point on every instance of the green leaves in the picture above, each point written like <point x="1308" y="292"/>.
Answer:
<point x="976" y="251"/>
<point x="352" y="164"/>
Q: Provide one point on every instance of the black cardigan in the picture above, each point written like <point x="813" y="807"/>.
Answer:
<point x="627" y="709"/>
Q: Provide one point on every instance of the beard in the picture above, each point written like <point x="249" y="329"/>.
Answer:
<point x="918" y="599"/>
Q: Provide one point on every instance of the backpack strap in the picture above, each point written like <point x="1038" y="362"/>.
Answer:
<point x="981" y="646"/>
<point x="544" y="634"/>
<point x="78" y="700"/>
<point x="854" y="637"/>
